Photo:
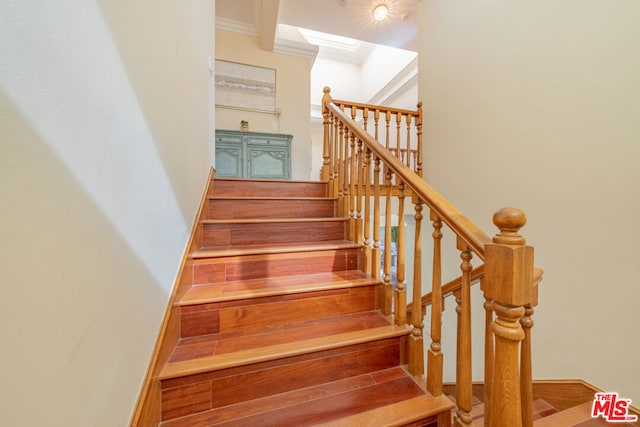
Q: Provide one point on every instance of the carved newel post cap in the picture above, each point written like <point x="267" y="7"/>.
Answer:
<point x="509" y="221"/>
<point x="326" y="98"/>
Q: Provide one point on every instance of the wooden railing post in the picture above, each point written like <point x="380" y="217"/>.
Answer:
<point x="326" y="149"/>
<point x="509" y="284"/>
<point x="387" y="286"/>
<point x="416" y="345"/>
<point x="526" y="380"/>
<point x="353" y="180"/>
<point x="464" y="391"/>
<point x="434" y="356"/>
<point x="375" y="252"/>
<point x="419" y="137"/>
<point x="400" y="299"/>
<point x="488" y="358"/>
<point x="359" y="177"/>
<point x="367" y="212"/>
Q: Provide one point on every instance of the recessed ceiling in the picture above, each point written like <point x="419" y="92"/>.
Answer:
<point x="354" y="18"/>
<point x="348" y="18"/>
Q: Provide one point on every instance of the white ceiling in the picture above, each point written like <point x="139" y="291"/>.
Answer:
<point x="347" y="18"/>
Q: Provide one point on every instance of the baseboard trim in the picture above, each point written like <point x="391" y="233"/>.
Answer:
<point x="147" y="410"/>
<point x="562" y="394"/>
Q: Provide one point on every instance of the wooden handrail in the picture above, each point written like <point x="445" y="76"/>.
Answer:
<point x="476" y="275"/>
<point x="454" y="285"/>
<point x="455" y="220"/>
<point x="372" y="107"/>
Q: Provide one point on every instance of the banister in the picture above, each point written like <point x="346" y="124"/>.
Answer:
<point x="476" y="275"/>
<point x="455" y="220"/>
<point x="454" y="285"/>
<point x="372" y="107"/>
<point x="509" y="280"/>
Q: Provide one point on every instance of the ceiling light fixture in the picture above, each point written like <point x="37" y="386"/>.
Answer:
<point x="380" y="11"/>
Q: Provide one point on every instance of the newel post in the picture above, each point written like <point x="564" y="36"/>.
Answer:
<point x="508" y="283"/>
<point x="326" y="148"/>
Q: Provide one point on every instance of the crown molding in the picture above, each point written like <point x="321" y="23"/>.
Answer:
<point x="399" y="84"/>
<point x="236" y="26"/>
<point x="288" y="47"/>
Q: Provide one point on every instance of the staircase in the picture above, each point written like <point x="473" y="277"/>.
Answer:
<point x="280" y="326"/>
<point x="283" y="313"/>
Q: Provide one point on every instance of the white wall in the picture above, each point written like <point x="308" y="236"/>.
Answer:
<point x="292" y="96"/>
<point x="534" y="104"/>
<point x="382" y="65"/>
<point x="343" y="78"/>
<point x="106" y="110"/>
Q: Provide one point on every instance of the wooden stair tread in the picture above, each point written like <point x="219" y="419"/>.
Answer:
<point x="245" y="339"/>
<point x="271" y="220"/>
<point x="266" y="187"/>
<point x="541" y="409"/>
<point x="579" y="415"/>
<point x="206" y="252"/>
<point x="269" y="286"/>
<point x="568" y="417"/>
<point x="397" y="414"/>
<point x="265" y="180"/>
<point x="375" y="395"/>
<point x="278" y="351"/>
<point x="272" y="198"/>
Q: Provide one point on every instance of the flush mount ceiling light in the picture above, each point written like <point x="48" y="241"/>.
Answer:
<point x="380" y="11"/>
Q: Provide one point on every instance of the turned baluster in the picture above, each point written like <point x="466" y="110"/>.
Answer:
<point x="326" y="148"/>
<point x="367" y="211"/>
<point x="464" y="391"/>
<point x="402" y="156"/>
<point x="353" y="178"/>
<point x="345" y="171"/>
<point x="398" y="138"/>
<point x="343" y="190"/>
<point x="365" y="118"/>
<point x="419" y="133"/>
<point x="334" y="190"/>
<point x="387" y="245"/>
<point x="509" y="284"/>
<point x="401" y="293"/>
<point x="409" y="117"/>
<point x="375" y="253"/>
<point x="488" y="357"/>
<point x="358" y="238"/>
<point x="434" y="358"/>
<point x="351" y="184"/>
<point x="526" y="375"/>
<point x="341" y="170"/>
<point x="387" y="119"/>
<point x="416" y="352"/>
<point x="376" y="118"/>
<point x="414" y="158"/>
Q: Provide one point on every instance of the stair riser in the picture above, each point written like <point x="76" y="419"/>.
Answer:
<point x="217" y="270"/>
<point x="225" y="235"/>
<point x="202" y="392"/>
<point x="240" y="188"/>
<point x="229" y="316"/>
<point x="243" y="209"/>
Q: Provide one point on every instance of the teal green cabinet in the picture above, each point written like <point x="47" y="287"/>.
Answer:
<point x="253" y="155"/>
